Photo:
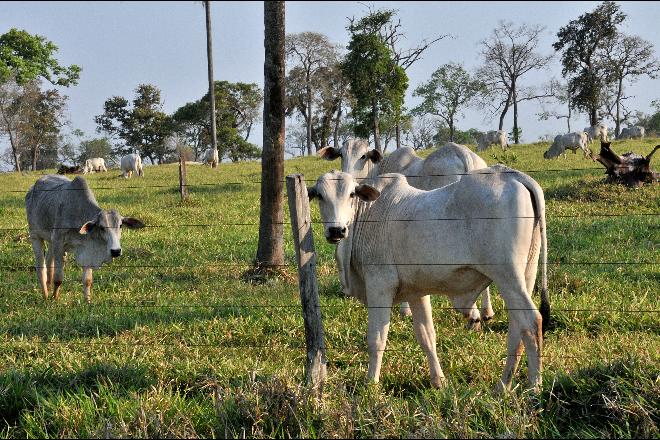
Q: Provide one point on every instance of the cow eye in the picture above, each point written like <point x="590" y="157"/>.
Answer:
<point x="364" y="156"/>
<point x="352" y="195"/>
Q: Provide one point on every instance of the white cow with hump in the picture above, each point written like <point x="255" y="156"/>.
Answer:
<point x="632" y="132"/>
<point x="210" y="157"/>
<point x="596" y="132"/>
<point x="96" y="164"/>
<point x="444" y="166"/>
<point x="65" y="214"/>
<point x="131" y="163"/>
<point x="570" y="141"/>
<point x="494" y="137"/>
<point x="398" y="248"/>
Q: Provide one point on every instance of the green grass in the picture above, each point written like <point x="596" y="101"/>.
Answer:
<point x="180" y="349"/>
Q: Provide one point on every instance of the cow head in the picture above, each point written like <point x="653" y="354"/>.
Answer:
<point x="337" y="192"/>
<point x="355" y="156"/>
<point x="101" y="237"/>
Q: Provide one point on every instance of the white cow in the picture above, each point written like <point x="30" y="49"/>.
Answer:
<point x="131" y="163"/>
<point x="632" y="132"/>
<point x="65" y="214"/>
<point x="444" y="166"/>
<point x="453" y="240"/>
<point x="570" y="141"/>
<point x="211" y="157"/>
<point x="489" y="138"/>
<point x="95" y="164"/>
<point x="596" y="132"/>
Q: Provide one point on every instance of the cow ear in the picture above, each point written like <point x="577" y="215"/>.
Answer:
<point x="131" y="223"/>
<point x="375" y="156"/>
<point x="329" y="153"/>
<point x="311" y="192"/>
<point x="87" y="228"/>
<point x="367" y="193"/>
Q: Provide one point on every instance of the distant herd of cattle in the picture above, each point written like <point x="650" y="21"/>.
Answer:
<point x="405" y="227"/>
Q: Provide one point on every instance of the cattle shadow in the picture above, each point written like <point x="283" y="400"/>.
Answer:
<point x="109" y="320"/>
<point x="22" y="390"/>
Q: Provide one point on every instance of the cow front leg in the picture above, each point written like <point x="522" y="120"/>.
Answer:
<point x="58" y="257"/>
<point x="87" y="284"/>
<point x="40" y="266"/>
<point x="425" y="334"/>
<point x="487" y="312"/>
<point x="378" y="326"/>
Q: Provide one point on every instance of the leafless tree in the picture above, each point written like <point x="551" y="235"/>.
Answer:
<point x="508" y="54"/>
<point x="270" y="251"/>
<point x="310" y="52"/>
<point x="627" y="58"/>
<point x="421" y="133"/>
<point x="561" y="93"/>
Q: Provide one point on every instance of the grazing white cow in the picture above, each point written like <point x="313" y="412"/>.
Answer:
<point x="444" y="166"/>
<point x="596" y="132"/>
<point x="401" y="245"/>
<point x="632" y="132"/>
<point x="65" y="214"/>
<point x="131" y="163"/>
<point x="211" y="157"/>
<point x="570" y="141"/>
<point x="489" y="138"/>
<point x="96" y="164"/>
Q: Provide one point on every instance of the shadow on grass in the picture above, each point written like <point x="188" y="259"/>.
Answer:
<point x="22" y="390"/>
<point x="620" y="399"/>
<point x="108" y="320"/>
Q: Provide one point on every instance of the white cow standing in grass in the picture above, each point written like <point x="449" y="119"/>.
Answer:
<point x="96" y="164"/>
<point x="401" y="248"/>
<point x="65" y="214"/>
<point x="489" y="138"/>
<point x="571" y="141"/>
<point x="596" y="132"/>
<point x="131" y="163"/>
<point x="444" y="166"/>
<point x="210" y="157"/>
<point x="632" y="132"/>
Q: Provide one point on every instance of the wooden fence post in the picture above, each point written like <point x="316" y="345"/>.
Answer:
<point x="183" y="188"/>
<point x="301" y="226"/>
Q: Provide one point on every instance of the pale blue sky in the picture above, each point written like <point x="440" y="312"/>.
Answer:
<point x="122" y="44"/>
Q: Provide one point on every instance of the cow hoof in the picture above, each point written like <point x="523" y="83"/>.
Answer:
<point x="438" y="382"/>
<point x="474" y="324"/>
<point x="487" y="316"/>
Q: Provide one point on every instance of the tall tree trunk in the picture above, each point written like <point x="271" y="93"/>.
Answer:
<point x="209" y="58"/>
<point x="270" y="251"/>
<point x="14" y="150"/>
<point x="505" y="110"/>
<point x="374" y="110"/>
<point x="35" y="157"/>
<point x="335" y="136"/>
<point x="617" y="128"/>
<point x="514" y="97"/>
<point x="398" y="135"/>
<point x="309" y="117"/>
<point x="451" y="128"/>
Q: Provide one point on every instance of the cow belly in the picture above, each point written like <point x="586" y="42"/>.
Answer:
<point x="440" y="280"/>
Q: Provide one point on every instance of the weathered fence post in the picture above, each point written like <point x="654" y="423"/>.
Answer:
<point x="183" y="188"/>
<point x="301" y="226"/>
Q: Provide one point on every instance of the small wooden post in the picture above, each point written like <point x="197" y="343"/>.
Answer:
<point x="183" y="188"/>
<point x="301" y="226"/>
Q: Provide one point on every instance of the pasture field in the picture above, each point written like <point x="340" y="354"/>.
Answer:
<point x="177" y="343"/>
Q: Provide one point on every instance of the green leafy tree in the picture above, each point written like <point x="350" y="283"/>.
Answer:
<point x="450" y="89"/>
<point x="580" y="42"/>
<point x="142" y="126"/>
<point x="96" y="147"/>
<point x="377" y="83"/>
<point x="25" y="58"/>
<point x="237" y="110"/>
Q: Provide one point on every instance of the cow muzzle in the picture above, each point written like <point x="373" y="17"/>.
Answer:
<point x="335" y="234"/>
<point x="115" y="253"/>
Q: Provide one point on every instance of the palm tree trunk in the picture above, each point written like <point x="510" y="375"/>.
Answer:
<point x="270" y="251"/>
<point x="209" y="58"/>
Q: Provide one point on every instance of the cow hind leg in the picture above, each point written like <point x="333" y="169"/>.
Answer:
<point x="404" y="310"/>
<point x="425" y="334"/>
<point x="50" y="266"/>
<point x="40" y="266"/>
<point x="524" y="325"/>
<point x="487" y="312"/>
<point x="465" y="304"/>
<point x="58" y="276"/>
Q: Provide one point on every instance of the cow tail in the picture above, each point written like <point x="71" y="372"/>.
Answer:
<point x="539" y="207"/>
